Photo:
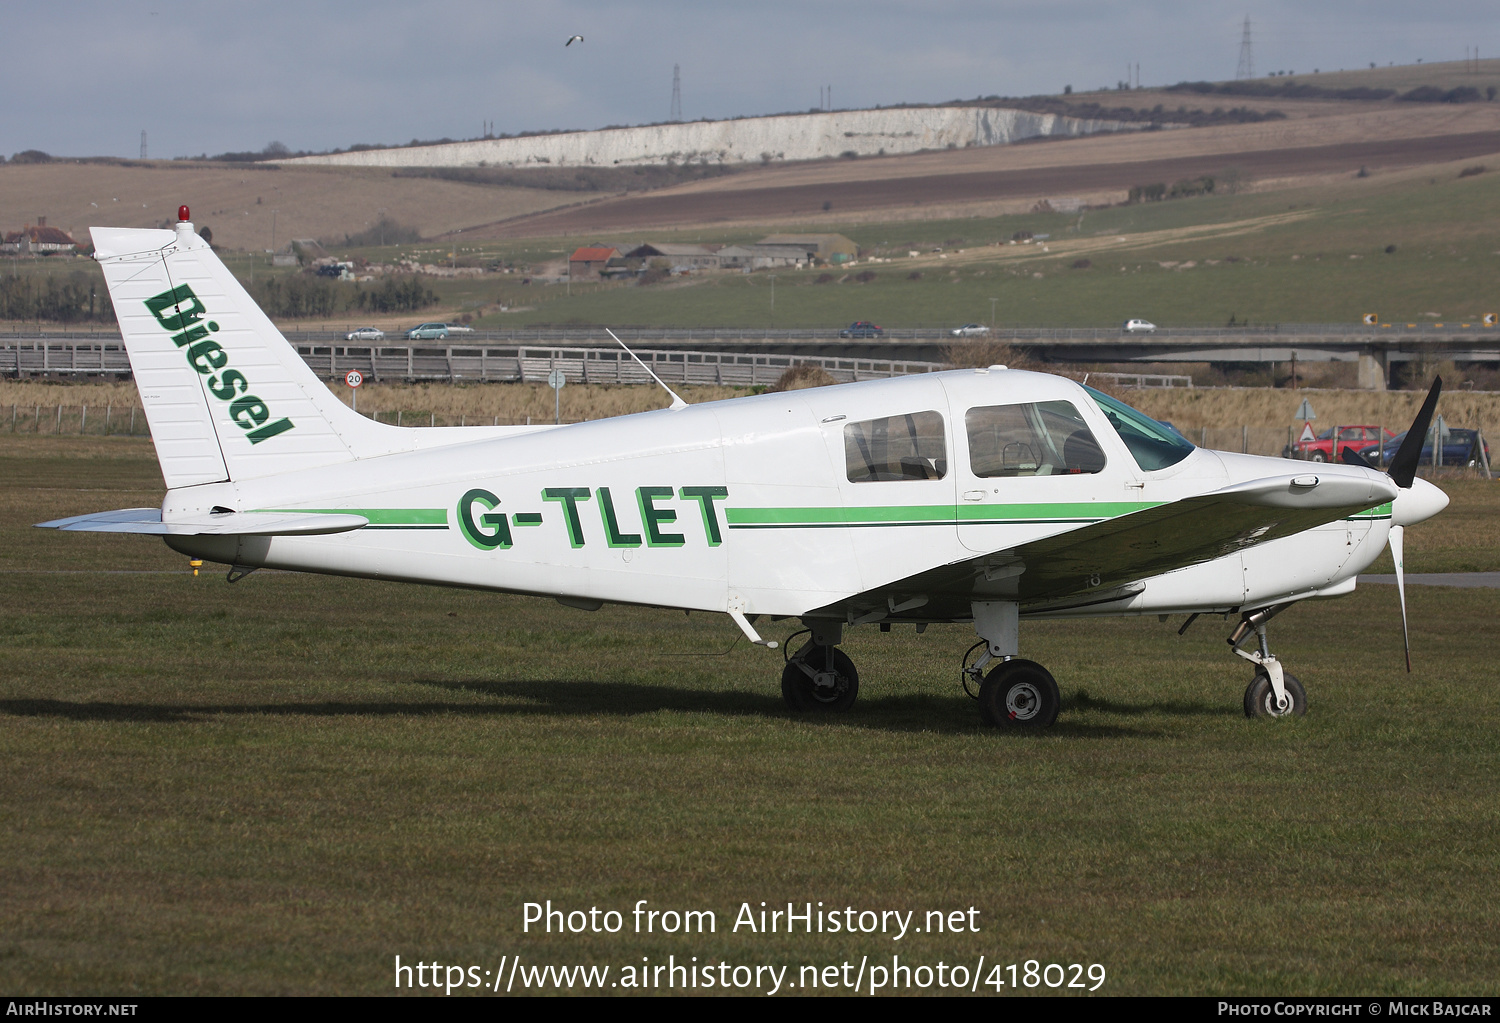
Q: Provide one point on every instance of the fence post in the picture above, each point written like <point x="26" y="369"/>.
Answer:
<point x="59" y="420"/>
<point x="83" y="420"/>
<point x="1245" y="439"/>
<point x="131" y="432"/>
<point x="1484" y="458"/>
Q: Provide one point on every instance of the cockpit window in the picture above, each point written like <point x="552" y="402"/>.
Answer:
<point x="1047" y="438"/>
<point x="906" y="447"/>
<point x="1151" y="444"/>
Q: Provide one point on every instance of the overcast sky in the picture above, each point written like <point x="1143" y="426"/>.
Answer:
<point x="84" y="77"/>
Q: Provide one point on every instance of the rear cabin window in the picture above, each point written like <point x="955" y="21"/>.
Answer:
<point x="1046" y="438"/>
<point x="906" y="447"/>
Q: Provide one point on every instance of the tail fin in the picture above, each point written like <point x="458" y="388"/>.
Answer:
<point x="226" y="396"/>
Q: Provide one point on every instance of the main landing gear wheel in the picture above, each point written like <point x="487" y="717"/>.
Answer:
<point x="1019" y="694"/>
<point x="1260" y="698"/>
<point x="802" y="692"/>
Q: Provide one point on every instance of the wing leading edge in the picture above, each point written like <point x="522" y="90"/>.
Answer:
<point x="1105" y="561"/>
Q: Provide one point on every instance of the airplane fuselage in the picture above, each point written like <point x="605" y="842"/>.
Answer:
<point x="751" y="500"/>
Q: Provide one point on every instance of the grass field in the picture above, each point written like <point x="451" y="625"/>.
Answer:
<point x="278" y="786"/>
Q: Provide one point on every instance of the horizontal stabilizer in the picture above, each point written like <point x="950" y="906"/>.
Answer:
<point x="148" y="521"/>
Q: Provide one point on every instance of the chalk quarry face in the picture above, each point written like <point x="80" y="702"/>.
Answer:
<point x="750" y="140"/>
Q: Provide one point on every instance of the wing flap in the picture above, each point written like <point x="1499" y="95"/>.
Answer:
<point x="148" y="521"/>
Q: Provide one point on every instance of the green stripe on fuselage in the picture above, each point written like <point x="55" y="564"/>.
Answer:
<point x="380" y="518"/>
<point x="928" y="514"/>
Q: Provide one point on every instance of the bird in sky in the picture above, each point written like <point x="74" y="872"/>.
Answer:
<point x="572" y="40"/>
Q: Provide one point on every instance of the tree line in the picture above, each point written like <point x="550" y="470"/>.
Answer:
<point x="301" y="296"/>
<point x="80" y="297"/>
<point x="74" y="298"/>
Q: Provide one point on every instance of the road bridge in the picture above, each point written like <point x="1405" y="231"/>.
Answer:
<point x="1374" y="348"/>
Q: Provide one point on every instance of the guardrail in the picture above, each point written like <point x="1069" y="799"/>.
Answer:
<point x="587" y="365"/>
<point x="1141" y="380"/>
<point x="480" y="362"/>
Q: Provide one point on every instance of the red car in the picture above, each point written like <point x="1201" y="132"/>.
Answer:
<point x="1325" y="449"/>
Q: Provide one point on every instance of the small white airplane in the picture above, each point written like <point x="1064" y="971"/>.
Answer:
<point x="984" y="495"/>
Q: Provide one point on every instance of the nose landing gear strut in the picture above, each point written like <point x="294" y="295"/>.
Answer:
<point x="1274" y="692"/>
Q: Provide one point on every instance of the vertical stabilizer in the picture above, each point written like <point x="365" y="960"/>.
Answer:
<point x="226" y="396"/>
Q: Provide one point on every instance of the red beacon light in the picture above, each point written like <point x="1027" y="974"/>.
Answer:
<point x="182" y="213"/>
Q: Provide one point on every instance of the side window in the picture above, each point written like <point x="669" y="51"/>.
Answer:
<point x="908" y="447"/>
<point x="1046" y="438"/>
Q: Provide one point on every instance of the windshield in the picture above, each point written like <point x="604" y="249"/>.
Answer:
<point x="1152" y="445"/>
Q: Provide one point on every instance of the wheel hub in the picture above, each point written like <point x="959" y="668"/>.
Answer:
<point x="1022" y="702"/>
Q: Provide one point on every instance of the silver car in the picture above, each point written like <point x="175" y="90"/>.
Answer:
<point x="365" y="334"/>
<point x="970" y="330"/>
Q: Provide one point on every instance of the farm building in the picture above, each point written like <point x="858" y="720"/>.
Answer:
<point x="830" y="248"/>
<point x="760" y="257"/>
<point x="591" y="261"/>
<point x="40" y="240"/>
<point x="688" y="257"/>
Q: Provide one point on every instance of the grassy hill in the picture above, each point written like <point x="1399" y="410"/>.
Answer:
<point x="1313" y="254"/>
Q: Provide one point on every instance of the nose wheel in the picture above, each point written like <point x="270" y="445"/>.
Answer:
<point x="1261" y="700"/>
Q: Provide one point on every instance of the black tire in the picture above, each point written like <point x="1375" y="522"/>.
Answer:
<point x="1318" y="456"/>
<point x="1019" y="694"/>
<point x="1260" y="698"/>
<point x="801" y="694"/>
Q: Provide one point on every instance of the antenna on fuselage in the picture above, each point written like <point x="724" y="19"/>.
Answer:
<point x="677" y="401"/>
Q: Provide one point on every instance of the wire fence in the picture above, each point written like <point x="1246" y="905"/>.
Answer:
<point x="130" y="421"/>
<point x="78" y="420"/>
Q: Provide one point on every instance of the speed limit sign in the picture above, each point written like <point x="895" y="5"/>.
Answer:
<point x="354" y="378"/>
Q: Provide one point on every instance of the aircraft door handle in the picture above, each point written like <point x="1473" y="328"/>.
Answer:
<point x="973" y="495"/>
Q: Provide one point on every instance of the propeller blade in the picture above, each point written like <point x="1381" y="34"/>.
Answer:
<point x="1395" y="540"/>
<point x="1404" y="466"/>
<point x="1351" y="457"/>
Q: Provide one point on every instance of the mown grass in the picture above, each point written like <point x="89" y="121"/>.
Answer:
<point x="278" y="786"/>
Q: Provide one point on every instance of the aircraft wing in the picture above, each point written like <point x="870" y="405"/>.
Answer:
<point x="1105" y="561"/>
<point x="148" y="521"/>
